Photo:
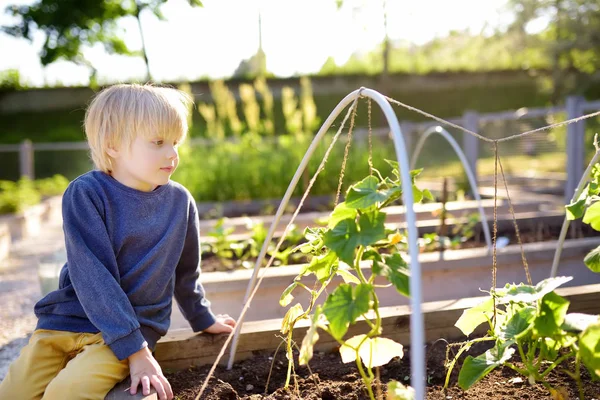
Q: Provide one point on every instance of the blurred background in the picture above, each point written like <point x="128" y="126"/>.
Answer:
<point x="265" y="74"/>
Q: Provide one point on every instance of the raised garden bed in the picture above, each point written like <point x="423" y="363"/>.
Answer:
<point x="236" y="251"/>
<point x="181" y="350"/>
<point x="448" y="275"/>
<point x="29" y="223"/>
<point x="395" y="214"/>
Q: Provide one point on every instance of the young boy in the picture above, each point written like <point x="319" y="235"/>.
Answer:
<point x="132" y="243"/>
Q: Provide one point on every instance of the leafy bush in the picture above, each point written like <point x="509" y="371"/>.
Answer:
<point x="16" y="196"/>
<point x="54" y="186"/>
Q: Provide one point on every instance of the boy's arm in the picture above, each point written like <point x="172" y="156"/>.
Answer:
<point x="189" y="292"/>
<point x="94" y="271"/>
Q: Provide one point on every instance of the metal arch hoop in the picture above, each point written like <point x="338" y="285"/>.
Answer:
<point x="416" y="317"/>
<point x="463" y="159"/>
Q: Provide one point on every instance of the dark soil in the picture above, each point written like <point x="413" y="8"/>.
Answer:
<point x="529" y="234"/>
<point x="332" y="380"/>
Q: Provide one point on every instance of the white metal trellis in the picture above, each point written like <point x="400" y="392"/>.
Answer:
<point x="470" y="176"/>
<point x="416" y="317"/>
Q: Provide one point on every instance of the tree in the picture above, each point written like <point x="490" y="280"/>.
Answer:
<point x="70" y="25"/>
<point x="571" y="39"/>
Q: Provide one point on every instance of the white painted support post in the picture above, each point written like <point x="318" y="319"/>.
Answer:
<point x="575" y="145"/>
<point x="470" y="142"/>
<point x="26" y="159"/>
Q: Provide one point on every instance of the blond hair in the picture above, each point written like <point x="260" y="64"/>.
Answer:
<point x="120" y="113"/>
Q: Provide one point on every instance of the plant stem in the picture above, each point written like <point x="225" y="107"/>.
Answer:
<point x="290" y="357"/>
<point x="528" y="364"/>
<point x="462" y="349"/>
<point x="359" y="254"/>
<point x="365" y="378"/>
<point x="578" y="376"/>
<point x="555" y="364"/>
<point x="517" y="369"/>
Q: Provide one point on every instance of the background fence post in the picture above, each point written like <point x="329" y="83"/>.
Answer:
<point x="407" y="129"/>
<point x="26" y="159"/>
<point x="575" y="146"/>
<point x="470" y="142"/>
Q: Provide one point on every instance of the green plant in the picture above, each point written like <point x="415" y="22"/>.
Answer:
<point x="587" y="207"/>
<point x="532" y="320"/>
<point x="16" y="196"/>
<point x="54" y="186"/>
<point x="460" y="233"/>
<point x="235" y="253"/>
<point x="355" y="234"/>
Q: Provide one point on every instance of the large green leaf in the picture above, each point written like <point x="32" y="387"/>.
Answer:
<point x="395" y="269"/>
<point x="592" y="260"/>
<point x="592" y="216"/>
<point x="551" y="316"/>
<point x="364" y="194"/>
<point x="372" y="227"/>
<point x="475" y="368"/>
<point x="575" y="210"/>
<point x="529" y="294"/>
<point x="374" y="352"/>
<point x="345" y="305"/>
<point x="286" y="297"/>
<point x="321" y="266"/>
<point x="589" y="349"/>
<point x="475" y="316"/>
<point x="343" y="239"/>
<point x="518" y="324"/>
<point x="311" y="337"/>
<point x="340" y="213"/>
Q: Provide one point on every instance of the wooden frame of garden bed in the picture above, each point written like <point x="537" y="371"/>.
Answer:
<point x="182" y="348"/>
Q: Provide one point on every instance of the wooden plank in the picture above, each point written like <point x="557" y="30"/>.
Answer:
<point x="182" y="348"/>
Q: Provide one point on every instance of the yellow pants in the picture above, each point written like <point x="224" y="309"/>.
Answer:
<point x="63" y="365"/>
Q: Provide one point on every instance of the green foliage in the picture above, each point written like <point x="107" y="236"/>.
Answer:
<point x="570" y="41"/>
<point x="235" y="254"/>
<point x="10" y="79"/>
<point x="53" y="186"/>
<point x="17" y="196"/>
<point x="355" y="234"/>
<point x="70" y="25"/>
<point x="262" y="168"/>
<point x="534" y="321"/>
<point x="587" y="207"/>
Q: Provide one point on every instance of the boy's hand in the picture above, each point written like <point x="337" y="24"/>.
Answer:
<point x="144" y="369"/>
<point x="224" y="324"/>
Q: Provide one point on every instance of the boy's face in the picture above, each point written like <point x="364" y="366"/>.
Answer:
<point x="146" y="164"/>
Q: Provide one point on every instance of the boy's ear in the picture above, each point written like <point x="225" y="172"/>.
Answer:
<point x="111" y="151"/>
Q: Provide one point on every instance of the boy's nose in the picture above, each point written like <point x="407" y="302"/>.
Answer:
<point x="172" y="153"/>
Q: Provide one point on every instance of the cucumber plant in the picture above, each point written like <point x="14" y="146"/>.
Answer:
<point x="587" y="207"/>
<point x="355" y="235"/>
<point x="533" y="321"/>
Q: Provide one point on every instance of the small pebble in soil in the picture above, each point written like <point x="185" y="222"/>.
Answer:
<point x="249" y="388"/>
<point x="241" y="378"/>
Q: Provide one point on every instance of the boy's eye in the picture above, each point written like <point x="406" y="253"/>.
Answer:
<point x="158" y="142"/>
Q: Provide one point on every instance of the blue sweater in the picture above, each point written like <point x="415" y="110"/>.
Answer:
<point x="128" y="253"/>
